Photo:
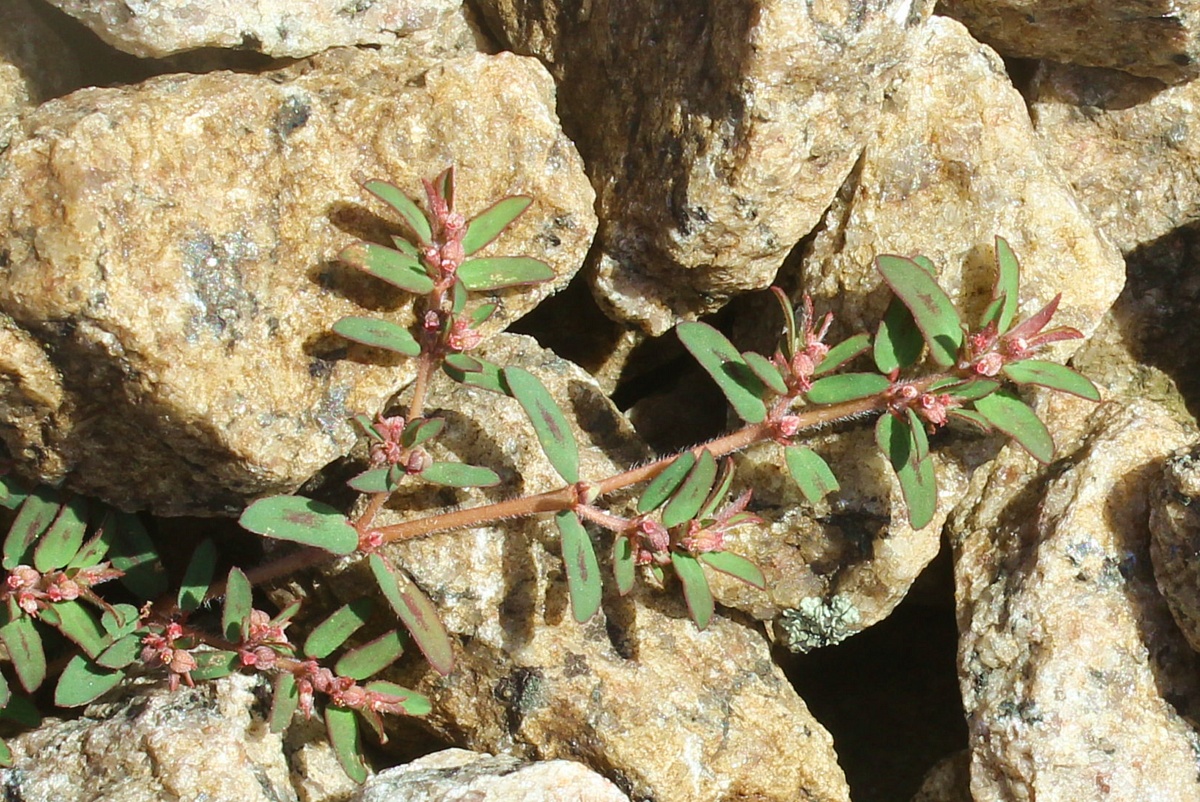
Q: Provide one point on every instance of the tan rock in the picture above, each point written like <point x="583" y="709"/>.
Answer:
<point x="459" y="774"/>
<point x="1175" y="540"/>
<point x="1153" y="38"/>
<point x="35" y="65"/>
<point x="275" y="27"/>
<point x="1068" y="654"/>
<point x="179" y="268"/>
<point x="1126" y="146"/>
<point x="715" y="133"/>
<point x="955" y="163"/>
<point x="638" y="693"/>
<point x="948" y="781"/>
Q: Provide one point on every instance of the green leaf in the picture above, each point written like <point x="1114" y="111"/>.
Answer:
<point x="121" y="653"/>
<point x="391" y="195"/>
<point x="414" y="703"/>
<point x="482" y="314"/>
<point x="898" y="341"/>
<point x="417" y="613"/>
<point x="842" y="353"/>
<point x="475" y="372"/>
<point x="83" y="681"/>
<point x="120" y="619"/>
<point x="719" y="492"/>
<point x="931" y="307"/>
<point x="80" y="626"/>
<point x="394" y="267"/>
<point x="695" y="587"/>
<point x="239" y="601"/>
<point x="791" y="333"/>
<point x="583" y="570"/>
<point x="918" y="484"/>
<point x="1008" y="413"/>
<point x="214" y="665"/>
<point x="920" y="438"/>
<point x="498" y="272"/>
<point x="371" y="657"/>
<point x="12" y="491"/>
<point x="487" y="225"/>
<point x="405" y="247"/>
<point x="64" y="538"/>
<point x="421" y="431"/>
<point x="728" y="369"/>
<point x="35" y="514"/>
<point x="458" y="297"/>
<point x="972" y="417"/>
<point x="23" y="711"/>
<point x="972" y="389"/>
<point x="1052" y="375"/>
<point x="444" y="185"/>
<point x="376" y="480"/>
<point x="846" y="387"/>
<point x="342" y="726"/>
<point x="548" y="422"/>
<point x="301" y="520"/>
<point x="198" y="576"/>
<point x="1008" y="281"/>
<point x="6" y="755"/>
<point x="378" y="334"/>
<point x="735" y="566"/>
<point x="624" y="567"/>
<point x="284" y="702"/>
<point x="663" y="485"/>
<point x="765" y="370"/>
<point x="810" y="473"/>
<point x="135" y="555"/>
<point x="690" y="496"/>
<point x="455" y="474"/>
<point x="97" y="546"/>
<point x="338" y="627"/>
<point x="25" y="651"/>
<point x="5" y="691"/>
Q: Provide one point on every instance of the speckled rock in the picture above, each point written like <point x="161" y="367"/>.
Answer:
<point x="954" y="163"/>
<point x="177" y="271"/>
<point x="35" y="65"/>
<point x="948" y="781"/>
<point x="1175" y="540"/>
<point x="1126" y="145"/>
<point x="1154" y="38"/>
<point x="715" y="133"/>
<point x="151" y="745"/>
<point x="1068" y="655"/>
<point x="456" y="774"/>
<point x="638" y="680"/>
<point x="276" y="27"/>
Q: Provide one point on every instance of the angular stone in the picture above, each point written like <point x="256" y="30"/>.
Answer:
<point x="151" y="744"/>
<point x="1068" y="655"/>
<point x="1126" y="145"/>
<point x="1175" y="540"/>
<point x="178" y="271"/>
<point x="953" y="164"/>
<point x="35" y="65"/>
<point x="637" y="681"/>
<point x="1153" y="38"/>
<point x="459" y="774"/>
<point x="948" y="781"/>
<point x="275" y="27"/>
<point x="715" y="133"/>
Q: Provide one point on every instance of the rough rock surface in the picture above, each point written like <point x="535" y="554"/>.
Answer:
<point x="1175" y="540"/>
<point x="948" y="781"/>
<point x="1153" y="38"/>
<point x="1068" y="655"/>
<point x="637" y="683"/>
<point x="1126" y="144"/>
<point x="150" y="745"/>
<point x="456" y="774"/>
<point x="715" y="133"/>
<point x="955" y="163"/>
<point x="35" y="65"/>
<point x="276" y="27"/>
<point x="177" y="272"/>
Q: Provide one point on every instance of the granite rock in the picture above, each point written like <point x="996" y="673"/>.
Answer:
<point x="715" y="133"/>
<point x="35" y="65"/>
<point x="1152" y="38"/>
<point x="1175" y="540"/>
<point x="177" y="271"/>
<point x="1067" y="654"/>
<point x="276" y="27"/>
<point x="948" y="781"/>
<point x="456" y="774"/>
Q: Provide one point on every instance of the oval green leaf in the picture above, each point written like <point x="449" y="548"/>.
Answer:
<point x="475" y="372"/>
<point x="376" y="480"/>
<point x="898" y="342"/>
<point x="394" y="267"/>
<point x="421" y="431"/>
<point x="1008" y="282"/>
<point x="239" y="601"/>
<point x="583" y="570"/>
<point x="372" y="657"/>
<point x="663" y="485"/>
<point x="83" y="681"/>
<point x="391" y="195"/>
<point x="337" y="628"/>
<point x="735" y="566"/>
<point x="133" y="553"/>
<point x="846" y="387"/>
<point x="80" y="625"/>
<point x="918" y="484"/>
<point x="1008" y="413"/>
<point x="25" y="651"/>
<point x="972" y="389"/>
<point x="36" y="513"/>
<point x="624" y="567"/>
<point x="695" y="588"/>
<point x="549" y="424"/>
<point x="284" y="702"/>
<point x="765" y="370"/>
<point x="121" y="653"/>
<point x="810" y="473"/>
<point x="418" y="614"/>
<point x="843" y="352"/>
<point x="64" y="538"/>
<point x="455" y="474"/>
<point x="342" y="727"/>
<point x="378" y="334"/>
<point x="214" y="665"/>
<point x="929" y="304"/>
<point x="499" y="272"/>
<point x="198" y="576"/>
<point x="1052" y="375"/>
<point x="693" y="491"/>
<point x="488" y="224"/>
<point x="728" y="369"/>
<point x="301" y="520"/>
<point x="414" y="703"/>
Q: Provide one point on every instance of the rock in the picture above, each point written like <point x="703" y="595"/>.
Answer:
<point x="178" y="273"/>
<point x="1068" y="655"/>
<point x="152" y="744"/>
<point x="637" y="682"/>
<point x="1153" y="38"/>
<point x="948" y="781"/>
<point x="1175" y="540"/>
<point x="275" y="27"/>
<point x="35" y="65"/>
<point x="1124" y="143"/>
<point x="715" y="134"/>
<point x="954" y="163"/>
<point x="457" y="774"/>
